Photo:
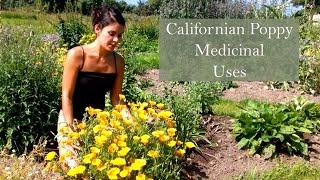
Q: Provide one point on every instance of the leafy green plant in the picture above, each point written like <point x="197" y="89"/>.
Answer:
<point x="204" y="94"/>
<point x="269" y="129"/>
<point x="144" y="144"/>
<point x="29" y="89"/>
<point x="70" y="30"/>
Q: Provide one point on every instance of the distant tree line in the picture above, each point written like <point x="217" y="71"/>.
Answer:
<point x="53" y="6"/>
<point x="164" y="8"/>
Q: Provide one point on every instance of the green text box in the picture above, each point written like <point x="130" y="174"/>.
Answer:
<point x="233" y="49"/>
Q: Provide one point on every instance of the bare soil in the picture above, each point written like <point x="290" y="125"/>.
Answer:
<point x="223" y="160"/>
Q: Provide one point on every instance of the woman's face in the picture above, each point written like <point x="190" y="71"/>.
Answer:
<point x="110" y="36"/>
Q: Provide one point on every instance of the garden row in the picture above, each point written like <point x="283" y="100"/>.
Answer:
<point x="31" y="66"/>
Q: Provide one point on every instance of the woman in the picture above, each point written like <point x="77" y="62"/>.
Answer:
<point x="92" y="70"/>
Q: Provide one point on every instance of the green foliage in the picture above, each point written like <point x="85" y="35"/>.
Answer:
<point x="300" y="170"/>
<point x="269" y="129"/>
<point x="204" y="94"/>
<point x="227" y="108"/>
<point x="17" y="15"/>
<point x="309" y="69"/>
<point x="86" y="6"/>
<point x="204" y="9"/>
<point x="71" y="30"/>
<point x="187" y="114"/>
<point x="139" y="49"/>
<point x="135" y="42"/>
<point x="189" y="105"/>
<point x="87" y="38"/>
<point x="145" y="26"/>
<point x="29" y="89"/>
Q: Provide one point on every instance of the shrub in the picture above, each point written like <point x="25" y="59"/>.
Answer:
<point x="187" y="107"/>
<point x="118" y="146"/>
<point x="29" y="89"/>
<point x="71" y="30"/>
<point x="269" y="129"/>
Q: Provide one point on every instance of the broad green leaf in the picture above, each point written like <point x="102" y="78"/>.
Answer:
<point x="268" y="151"/>
<point x="304" y="130"/>
<point x="265" y="138"/>
<point x="304" y="148"/>
<point x="295" y="138"/>
<point x="281" y="117"/>
<point x="287" y="130"/>
<point x="280" y="137"/>
<point x="242" y="143"/>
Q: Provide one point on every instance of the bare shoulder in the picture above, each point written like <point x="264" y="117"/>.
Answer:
<point x="75" y="56"/>
<point x="120" y="60"/>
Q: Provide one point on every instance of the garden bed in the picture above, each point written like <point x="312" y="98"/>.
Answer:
<point x="223" y="160"/>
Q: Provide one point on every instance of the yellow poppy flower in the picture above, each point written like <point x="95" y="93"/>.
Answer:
<point x="171" y="132"/>
<point x="124" y="151"/>
<point x="115" y="123"/>
<point x="97" y="128"/>
<point x="141" y="177"/>
<point x="172" y="143"/>
<point x="74" y="135"/>
<point x="180" y="152"/>
<point x="170" y="123"/>
<point x="92" y="111"/>
<point x="122" y="144"/>
<point x="118" y="162"/>
<point x="136" y="138"/>
<point x="103" y="116"/>
<point x="50" y="156"/>
<point x="77" y="170"/>
<point x="160" y="105"/>
<point x="164" y="138"/>
<point x="151" y="111"/>
<point x="152" y="103"/>
<point x="125" y="172"/>
<point x="81" y="125"/>
<point x="128" y="121"/>
<point x="100" y="140"/>
<point x="138" y="164"/>
<point x="153" y="153"/>
<point x="113" y="173"/>
<point x="96" y="162"/>
<point x="165" y="114"/>
<point x="157" y="133"/>
<point x="101" y="167"/>
<point x="142" y="115"/>
<point x="87" y="158"/>
<point x="190" y="145"/>
<point x="116" y="114"/>
<point x="106" y="133"/>
<point x="122" y="137"/>
<point x="145" y="139"/>
<point x="113" y="148"/>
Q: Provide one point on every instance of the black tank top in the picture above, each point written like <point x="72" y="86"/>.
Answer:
<point x="90" y="90"/>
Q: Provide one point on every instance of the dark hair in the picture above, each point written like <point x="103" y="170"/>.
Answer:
<point x="105" y="15"/>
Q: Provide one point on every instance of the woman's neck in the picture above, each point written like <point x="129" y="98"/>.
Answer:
<point x="98" y="50"/>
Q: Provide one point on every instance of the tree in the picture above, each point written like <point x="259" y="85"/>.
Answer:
<point x="154" y="6"/>
<point x="202" y="9"/>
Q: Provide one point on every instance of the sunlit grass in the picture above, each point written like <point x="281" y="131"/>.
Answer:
<point x="39" y="22"/>
<point x="301" y="170"/>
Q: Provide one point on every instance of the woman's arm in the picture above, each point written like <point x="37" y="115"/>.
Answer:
<point x="117" y="86"/>
<point x="70" y="72"/>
